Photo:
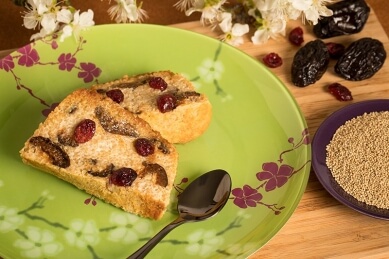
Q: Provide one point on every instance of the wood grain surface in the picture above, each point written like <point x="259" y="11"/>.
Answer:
<point x="321" y="227"/>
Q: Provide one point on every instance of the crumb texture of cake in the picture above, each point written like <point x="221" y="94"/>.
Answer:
<point x="166" y="100"/>
<point x="89" y="141"/>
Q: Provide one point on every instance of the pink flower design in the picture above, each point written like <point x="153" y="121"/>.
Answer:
<point x="306" y="139"/>
<point x="7" y="63"/>
<point x="246" y="197"/>
<point x="91" y="200"/>
<point x="89" y="72"/>
<point x="29" y="56"/>
<point x="66" y="61"/>
<point x="54" y="44"/>
<point x="276" y="176"/>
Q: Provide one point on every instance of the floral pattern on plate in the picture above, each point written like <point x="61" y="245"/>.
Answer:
<point x="58" y="221"/>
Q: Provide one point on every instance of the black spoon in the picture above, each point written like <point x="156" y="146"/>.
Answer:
<point x="202" y="199"/>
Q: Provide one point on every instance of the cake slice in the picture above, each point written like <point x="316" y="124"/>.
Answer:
<point x="91" y="142"/>
<point x="166" y="100"/>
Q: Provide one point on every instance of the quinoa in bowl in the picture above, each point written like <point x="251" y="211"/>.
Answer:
<point x="348" y="156"/>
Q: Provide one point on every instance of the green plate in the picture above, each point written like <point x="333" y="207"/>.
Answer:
<point x="257" y="134"/>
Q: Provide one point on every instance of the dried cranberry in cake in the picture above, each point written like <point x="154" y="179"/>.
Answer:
<point x="116" y="95"/>
<point x="166" y="102"/>
<point x="335" y="50"/>
<point x="272" y="60"/>
<point x="84" y="131"/>
<point x="123" y="176"/>
<point x="144" y="147"/>
<point x="157" y="83"/>
<point x="296" y="36"/>
<point x="340" y="92"/>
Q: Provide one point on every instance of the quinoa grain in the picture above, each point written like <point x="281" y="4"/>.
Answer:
<point x="358" y="158"/>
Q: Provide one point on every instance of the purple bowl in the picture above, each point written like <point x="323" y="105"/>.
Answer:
<point x="323" y="137"/>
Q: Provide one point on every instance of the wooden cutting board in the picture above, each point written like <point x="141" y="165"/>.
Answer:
<point x="321" y="227"/>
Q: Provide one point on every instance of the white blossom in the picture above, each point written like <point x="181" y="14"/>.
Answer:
<point x="37" y="10"/>
<point x="39" y="243"/>
<point x="127" y="11"/>
<point x="272" y="27"/>
<point x="64" y="16"/>
<point x="80" y="22"/>
<point x="232" y="32"/>
<point x="317" y="9"/>
<point x="210" y="9"/>
<point x="183" y="5"/>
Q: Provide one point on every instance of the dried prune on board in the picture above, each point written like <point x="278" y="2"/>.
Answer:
<point x="361" y="60"/>
<point x="309" y="63"/>
<point x="348" y="17"/>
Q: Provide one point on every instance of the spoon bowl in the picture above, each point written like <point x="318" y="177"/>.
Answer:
<point x="202" y="199"/>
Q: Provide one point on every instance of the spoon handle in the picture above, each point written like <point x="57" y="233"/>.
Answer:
<point x="146" y="248"/>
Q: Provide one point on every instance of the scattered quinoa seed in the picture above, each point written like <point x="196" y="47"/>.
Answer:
<point x="357" y="157"/>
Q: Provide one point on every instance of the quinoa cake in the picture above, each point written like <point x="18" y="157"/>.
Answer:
<point x="93" y="143"/>
<point x="166" y="100"/>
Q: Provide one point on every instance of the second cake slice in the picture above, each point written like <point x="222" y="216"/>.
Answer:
<point x="166" y="100"/>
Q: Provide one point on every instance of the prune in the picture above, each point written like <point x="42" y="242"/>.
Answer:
<point x="361" y="60"/>
<point x="56" y="154"/>
<point x="309" y="63"/>
<point x="114" y="126"/>
<point x="103" y="173"/>
<point x="181" y="96"/>
<point x="66" y="140"/>
<point x="158" y="171"/>
<point x="348" y="17"/>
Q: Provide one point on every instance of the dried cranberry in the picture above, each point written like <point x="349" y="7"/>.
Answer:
<point x="340" y="92"/>
<point x="296" y="36"/>
<point x="144" y="147"/>
<point x="157" y="83"/>
<point x="84" y="131"/>
<point x="123" y="176"/>
<point x="335" y="50"/>
<point x="116" y="95"/>
<point x="166" y="102"/>
<point x="272" y="60"/>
